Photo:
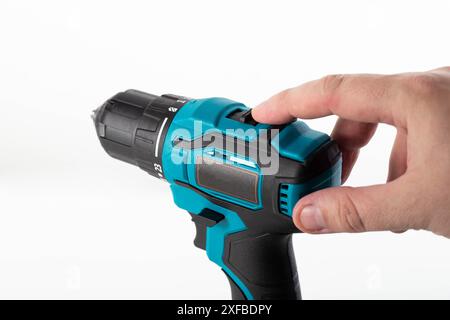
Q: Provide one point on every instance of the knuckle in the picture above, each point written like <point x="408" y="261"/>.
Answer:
<point x="348" y="214"/>
<point x="285" y="99"/>
<point x="331" y="83"/>
<point x="329" y="88"/>
<point x="421" y="85"/>
<point x="445" y="69"/>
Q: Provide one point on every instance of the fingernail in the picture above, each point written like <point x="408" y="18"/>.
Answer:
<point x="256" y="112"/>
<point x="260" y="105"/>
<point x="311" y="218"/>
<point x="255" y="109"/>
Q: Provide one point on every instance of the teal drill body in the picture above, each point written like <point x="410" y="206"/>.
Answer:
<point x="238" y="179"/>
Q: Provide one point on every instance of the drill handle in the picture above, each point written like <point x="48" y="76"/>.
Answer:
<point x="261" y="266"/>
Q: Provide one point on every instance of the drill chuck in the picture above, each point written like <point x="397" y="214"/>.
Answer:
<point x="132" y="126"/>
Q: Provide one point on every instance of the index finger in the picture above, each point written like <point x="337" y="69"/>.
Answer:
<point x="363" y="98"/>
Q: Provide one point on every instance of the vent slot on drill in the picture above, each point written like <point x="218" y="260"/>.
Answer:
<point x="283" y="198"/>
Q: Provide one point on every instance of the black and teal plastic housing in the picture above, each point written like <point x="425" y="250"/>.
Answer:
<point x="243" y="216"/>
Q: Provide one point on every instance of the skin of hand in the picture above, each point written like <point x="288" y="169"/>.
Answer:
<point x="417" y="192"/>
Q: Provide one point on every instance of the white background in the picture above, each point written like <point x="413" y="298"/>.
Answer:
<point x="74" y="223"/>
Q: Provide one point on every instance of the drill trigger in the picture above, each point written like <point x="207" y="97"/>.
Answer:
<point x="206" y="218"/>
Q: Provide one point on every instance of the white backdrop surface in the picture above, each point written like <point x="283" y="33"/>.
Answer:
<point x="75" y="223"/>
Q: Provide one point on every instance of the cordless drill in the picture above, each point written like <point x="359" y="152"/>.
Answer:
<point x="238" y="179"/>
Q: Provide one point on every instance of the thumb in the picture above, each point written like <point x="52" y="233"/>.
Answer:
<point x="347" y="209"/>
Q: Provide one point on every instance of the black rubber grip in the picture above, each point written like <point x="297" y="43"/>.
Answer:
<point x="264" y="263"/>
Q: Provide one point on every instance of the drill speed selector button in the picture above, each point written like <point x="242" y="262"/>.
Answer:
<point x="248" y="118"/>
<point x="244" y="116"/>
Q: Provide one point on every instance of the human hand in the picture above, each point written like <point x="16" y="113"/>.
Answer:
<point x="417" y="192"/>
